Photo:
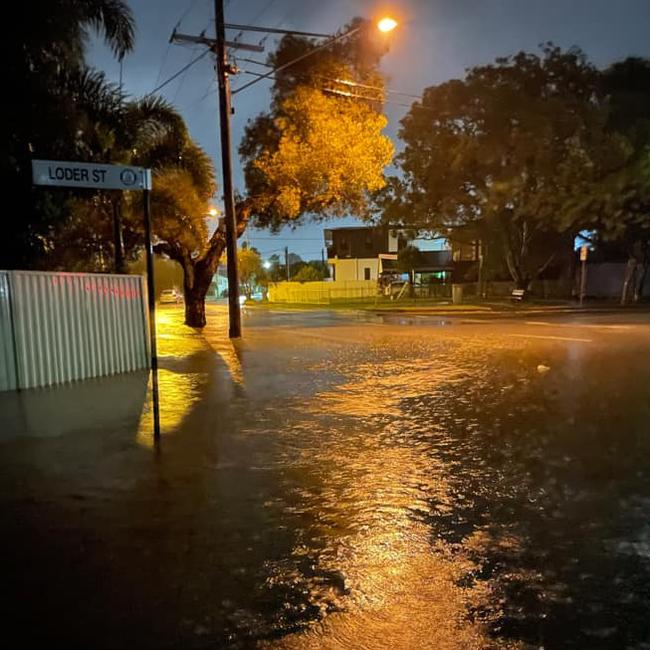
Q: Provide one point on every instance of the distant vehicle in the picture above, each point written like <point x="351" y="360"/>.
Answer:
<point x="168" y="296"/>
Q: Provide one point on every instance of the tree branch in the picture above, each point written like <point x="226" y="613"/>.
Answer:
<point x="544" y="266"/>
<point x="164" y="248"/>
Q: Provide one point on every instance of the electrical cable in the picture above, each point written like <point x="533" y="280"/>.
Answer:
<point x="178" y="73"/>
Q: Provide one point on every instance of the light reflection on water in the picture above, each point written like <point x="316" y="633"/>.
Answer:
<point x="347" y="488"/>
<point x="395" y="585"/>
<point x="180" y="387"/>
<point x="438" y="490"/>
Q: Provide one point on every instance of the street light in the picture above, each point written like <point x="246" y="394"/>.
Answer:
<point x="386" y="24"/>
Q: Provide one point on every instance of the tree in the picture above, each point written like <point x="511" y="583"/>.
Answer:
<point x="408" y="259"/>
<point x="250" y="269"/>
<point x="276" y="271"/>
<point x="330" y="156"/>
<point x="54" y="98"/>
<point x="102" y="225"/>
<point x="167" y="273"/>
<point x="321" y="268"/>
<point x="151" y="133"/>
<point x="63" y="110"/>
<point x="508" y="149"/>
<point x="317" y="152"/>
<point x="180" y="208"/>
<point x="308" y="273"/>
<point x="627" y="86"/>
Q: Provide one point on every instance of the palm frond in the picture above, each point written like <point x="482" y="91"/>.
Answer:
<point x="112" y="19"/>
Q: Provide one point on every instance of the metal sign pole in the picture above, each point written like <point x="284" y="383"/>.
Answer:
<point x="583" y="273"/>
<point x="152" y="314"/>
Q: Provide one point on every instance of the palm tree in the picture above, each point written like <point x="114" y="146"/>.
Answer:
<point x="46" y="74"/>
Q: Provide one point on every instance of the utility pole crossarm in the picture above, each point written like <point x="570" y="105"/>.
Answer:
<point x="212" y="43"/>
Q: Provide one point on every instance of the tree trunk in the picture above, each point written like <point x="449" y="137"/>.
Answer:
<point x="640" y="283"/>
<point x="479" y="273"/>
<point x="515" y="272"/>
<point x="195" y="308"/>
<point x="198" y="272"/>
<point x="642" y="270"/>
<point x="630" y="270"/>
<point x="118" y="239"/>
<point x="198" y="277"/>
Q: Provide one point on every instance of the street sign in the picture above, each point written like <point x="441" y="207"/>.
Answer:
<point x="584" y="251"/>
<point x="59" y="173"/>
<point x="78" y="174"/>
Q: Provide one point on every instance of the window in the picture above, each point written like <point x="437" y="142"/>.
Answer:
<point x="366" y="273"/>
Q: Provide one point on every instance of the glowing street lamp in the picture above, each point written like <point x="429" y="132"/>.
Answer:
<point x="386" y="24"/>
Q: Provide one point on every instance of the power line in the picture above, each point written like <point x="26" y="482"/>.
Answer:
<point x="186" y="12"/>
<point x="253" y="20"/>
<point x="184" y="75"/>
<point x="180" y="72"/>
<point x="345" y="82"/>
<point x="169" y="44"/>
<point x="325" y="45"/>
<point x="212" y="88"/>
<point x="335" y="92"/>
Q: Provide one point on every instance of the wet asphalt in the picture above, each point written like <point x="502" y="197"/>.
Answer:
<point x="340" y="480"/>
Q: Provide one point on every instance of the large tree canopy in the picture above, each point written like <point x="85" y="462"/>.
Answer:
<point x="320" y="150"/>
<point x="330" y="155"/>
<point x="509" y="148"/>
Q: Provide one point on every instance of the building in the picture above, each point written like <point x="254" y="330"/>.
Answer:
<point x="354" y="253"/>
<point x="219" y="285"/>
<point x="370" y="253"/>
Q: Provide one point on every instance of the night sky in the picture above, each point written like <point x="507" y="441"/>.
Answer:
<point x="437" y="40"/>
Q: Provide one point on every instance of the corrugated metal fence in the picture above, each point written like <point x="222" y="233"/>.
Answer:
<point x="61" y="327"/>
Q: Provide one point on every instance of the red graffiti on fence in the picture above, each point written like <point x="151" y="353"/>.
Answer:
<point x="120" y="292"/>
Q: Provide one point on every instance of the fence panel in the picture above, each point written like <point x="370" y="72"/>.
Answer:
<point x="7" y="352"/>
<point x="70" y="326"/>
<point x="322" y="293"/>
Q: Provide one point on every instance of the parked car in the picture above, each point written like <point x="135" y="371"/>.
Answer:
<point x="168" y="296"/>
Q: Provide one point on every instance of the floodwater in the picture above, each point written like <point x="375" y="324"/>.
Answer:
<point x="336" y="480"/>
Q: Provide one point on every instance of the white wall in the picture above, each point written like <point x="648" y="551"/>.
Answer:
<point x="353" y="269"/>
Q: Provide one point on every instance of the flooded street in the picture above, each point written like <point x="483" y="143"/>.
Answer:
<point x="340" y="480"/>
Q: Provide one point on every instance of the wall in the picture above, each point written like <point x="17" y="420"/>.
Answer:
<point x="61" y="327"/>
<point x="366" y="241"/>
<point x="322" y="293"/>
<point x="352" y="269"/>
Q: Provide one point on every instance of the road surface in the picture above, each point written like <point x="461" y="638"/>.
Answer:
<point x="340" y="480"/>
